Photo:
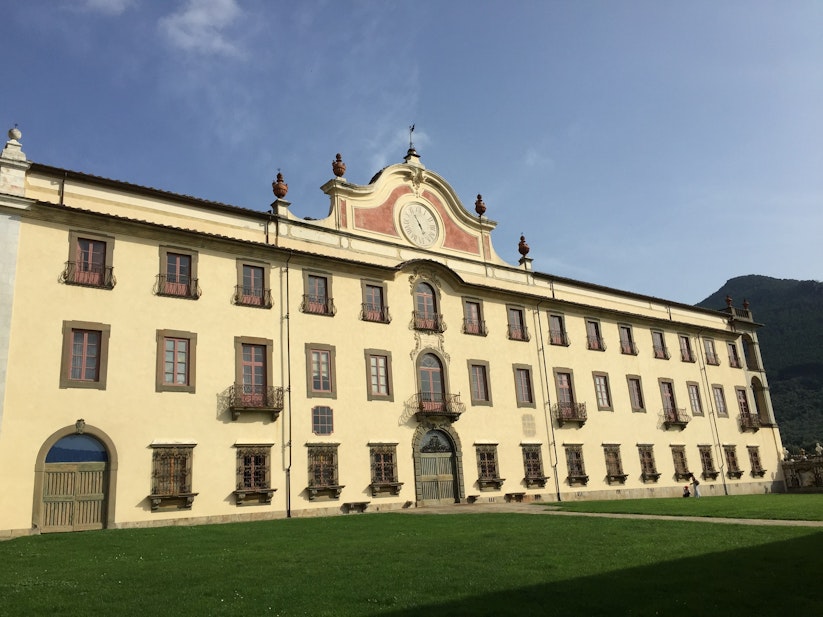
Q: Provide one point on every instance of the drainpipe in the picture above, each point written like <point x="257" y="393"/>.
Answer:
<point x="541" y="349"/>
<point x="288" y="444"/>
<point x="712" y="414"/>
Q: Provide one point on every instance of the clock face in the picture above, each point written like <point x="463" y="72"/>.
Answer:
<point x="419" y="225"/>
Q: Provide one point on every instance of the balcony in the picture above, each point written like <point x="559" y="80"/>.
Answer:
<point x="739" y="313"/>
<point x="661" y="353"/>
<point x="88" y="275"/>
<point x="749" y="422"/>
<point x="318" y="305"/>
<point x="673" y="417"/>
<point x="570" y="412"/>
<point x="711" y="358"/>
<point x="628" y="348"/>
<point x="428" y="322"/>
<point x="375" y="313"/>
<point x="735" y="362"/>
<point x="595" y="343"/>
<point x="245" y="296"/>
<point x="558" y="337"/>
<point x="518" y="333"/>
<point x="177" y="287"/>
<point x="686" y="355"/>
<point x="476" y="327"/>
<point x="249" y="398"/>
<point x="435" y="404"/>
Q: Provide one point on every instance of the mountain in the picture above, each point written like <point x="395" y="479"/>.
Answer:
<point x="791" y="343"/>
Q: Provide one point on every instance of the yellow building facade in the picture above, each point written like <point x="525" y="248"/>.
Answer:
<point x="170" y="360"/>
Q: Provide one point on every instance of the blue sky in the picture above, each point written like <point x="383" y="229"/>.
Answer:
<point x="658" y="147"/>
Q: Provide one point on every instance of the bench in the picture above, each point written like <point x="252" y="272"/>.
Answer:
<point x="355" y="506"/>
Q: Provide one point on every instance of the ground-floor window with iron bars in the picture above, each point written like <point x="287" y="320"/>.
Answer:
<point x="575" y="465"/>
<point x="732" y="466"/>
<point x="614" y="464"/>
<point x="384" y="468"/>
<point x="488" y="474"/>
<point x="254" y="474"/>
<point x="754" y="459"/>
<point x="648" y="467"/>
<point x="172" y="476"/>
<point x="322" y="468"/>
<point x="681" y="465"/>
<point x="533" y="465"/>
<point x="707" y="462"/>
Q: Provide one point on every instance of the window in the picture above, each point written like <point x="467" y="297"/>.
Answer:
<point x="734" y="356"/>
<point x="711" y="354"/>
<point x="317" y="298"/>
<point x="754" y="459"/>
<point x="175" y="361"/>
<point x="253" y="474"/>
<point x="517" y="325"/>
<point x="479" y="382"/>
<point x="488" y="476"/>
<point x="574" y="463"/>
<point x="732" y="466"/>
<point x="694" y="398"/>
<point x="171" y="476"/>
<point x="253" y="375"/>
<point x="707" y="462"/>
<point x="685" y="348"/>
<point x="473" y="322"/>
<point x="594" y="340"/>
<point x="627" y="345"/>
<point x="659" y="345"/>
<point x="667" y="392"/>
<point x="85" y="355"/>
<point x="648" y="468"/>
<point x="379" y="377"/>
<point x="557" y="331"/>
<point x="432" y="389"/>
<point x="322" y="420"/>
<point x="742" y="401"/>
<point x="374" y="303"/>
<point x="426" y="316"/>
<point x="635" y="393"/>
<point x="720" y="401"/>
<point x="384" y="468"/>
<point x="320" y="361"/>
<point x="253" y="285"/>
<point x="601" y="390"/>
<point x="178" y="274"/>
<point x="523" y="385"/>
<point x="614" y="465"/>
<point x="533" y="466"/>
<point x="323" y="480"/>
<point x="681" y="466"/>
<point x="90" y="261"/>
<point x="567" y="409"/>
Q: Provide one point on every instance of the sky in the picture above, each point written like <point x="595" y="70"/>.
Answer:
<point x="650" y="146"/>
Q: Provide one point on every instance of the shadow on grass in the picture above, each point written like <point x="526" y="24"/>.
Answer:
<point x="780" y="578"/>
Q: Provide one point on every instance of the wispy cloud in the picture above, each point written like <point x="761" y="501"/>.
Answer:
<point x="108" y="7"/>
<point x="536" y="159"/>
<point x="199" y="27"/>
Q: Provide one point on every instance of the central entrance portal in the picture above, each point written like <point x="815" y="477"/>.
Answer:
<point x="438" y="476"/>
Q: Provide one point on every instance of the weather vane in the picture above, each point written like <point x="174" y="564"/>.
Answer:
<point x="411" y="130"/>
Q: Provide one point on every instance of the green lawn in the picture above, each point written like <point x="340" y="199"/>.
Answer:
<point x="408" y="565"/>
<point x="772" y="506"/>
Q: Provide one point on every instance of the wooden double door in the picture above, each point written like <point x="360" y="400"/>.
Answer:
<point x="438" y="475"/>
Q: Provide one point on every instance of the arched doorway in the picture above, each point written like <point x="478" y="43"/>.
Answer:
<point x="437" y="481"/>
<point x="74" y="481"/>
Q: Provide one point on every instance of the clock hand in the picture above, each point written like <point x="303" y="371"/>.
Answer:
<point x="419" y="224"/>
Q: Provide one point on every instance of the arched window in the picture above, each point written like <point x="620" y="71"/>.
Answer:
<point x="77" y="449"/>
<point x="426" y="316"/>
<point x="431" y="383"/>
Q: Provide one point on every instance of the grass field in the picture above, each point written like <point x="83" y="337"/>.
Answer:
<point x="772" y="506"/>
<point x="405" y="565"/>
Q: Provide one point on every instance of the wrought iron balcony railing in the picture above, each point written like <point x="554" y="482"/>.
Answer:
<point x="711" y="358"/>
<point x="675" y="417"/>
<point x="245" y="398"/>
<point x="628" y="348"/>
<point x="686" y="355"/>
<point x="317" y="305"/>
<point x="375" y="312"/>
<point x="595" y="343"/>
<point x="246" y="296"/>
<point x="177" y="286"/>
<point x="570" y="412"/>
<point x="749" y="422"/>
<point x="438" y="404"/>
<point x="558" y="337"/>
<point x="88" y="275"/>
<point x="661" y="352"/>
<point x="475" y="326"/>
<point x="429" y="322"/>
<point x="735" y="362"/>
<point x="518" y="333"/>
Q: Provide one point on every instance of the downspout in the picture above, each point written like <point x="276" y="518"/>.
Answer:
<point x="541" y="349"/>
<point x="712" y="413"/>
<point x="288" y="444"/>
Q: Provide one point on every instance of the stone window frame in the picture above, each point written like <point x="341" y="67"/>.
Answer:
<point x="733" y="469"/>
<point x="512" y="328"/>
<point x="533" y="474"/>
<point x="322" y="420"/>
<point x="628" y="346"/>
<point x="614" y="468"/>
<point x="74" y="237"/>
<point x="181" y="495"/>
<point x="382" y="482"/>
<point x="693" y="386"/>
<point x="488" y="467"/>
<point x="660" y="351"/>
<point x="384" y="316"/>
<point x="558" y="337"/>
<point x="648" y="464"/>
<point x="610" y="400"/>
<point x="267" y="300"/>
<point x="487" y="402"/>
<point x="368" y="354"/>
<point x="332" y="351"/>
<point x="329" y="308"/>
<point x="193" y="286"/>
<point x="247" y="494"/>
<point x="719" y="400"/>
<point x="191" y="381"/>
<point x="578" y="466"/>
<point x="481" y="329"/>
<point x="639" y="380"/>
<point x="680" y="461"/>
<point x="528" y="368"/>
<point x="69" y="328"/>
<point x="239" y="341"/>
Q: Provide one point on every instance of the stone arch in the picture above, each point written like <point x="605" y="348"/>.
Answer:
<point x="447" y="430"/>
<point x="761" y="404"/>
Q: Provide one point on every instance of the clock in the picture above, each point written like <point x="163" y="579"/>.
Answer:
<point x="419" y="225"/>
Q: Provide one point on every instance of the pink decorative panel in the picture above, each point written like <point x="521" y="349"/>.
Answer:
<point x="455" y="238"/>
<point x="381" y="218"/>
